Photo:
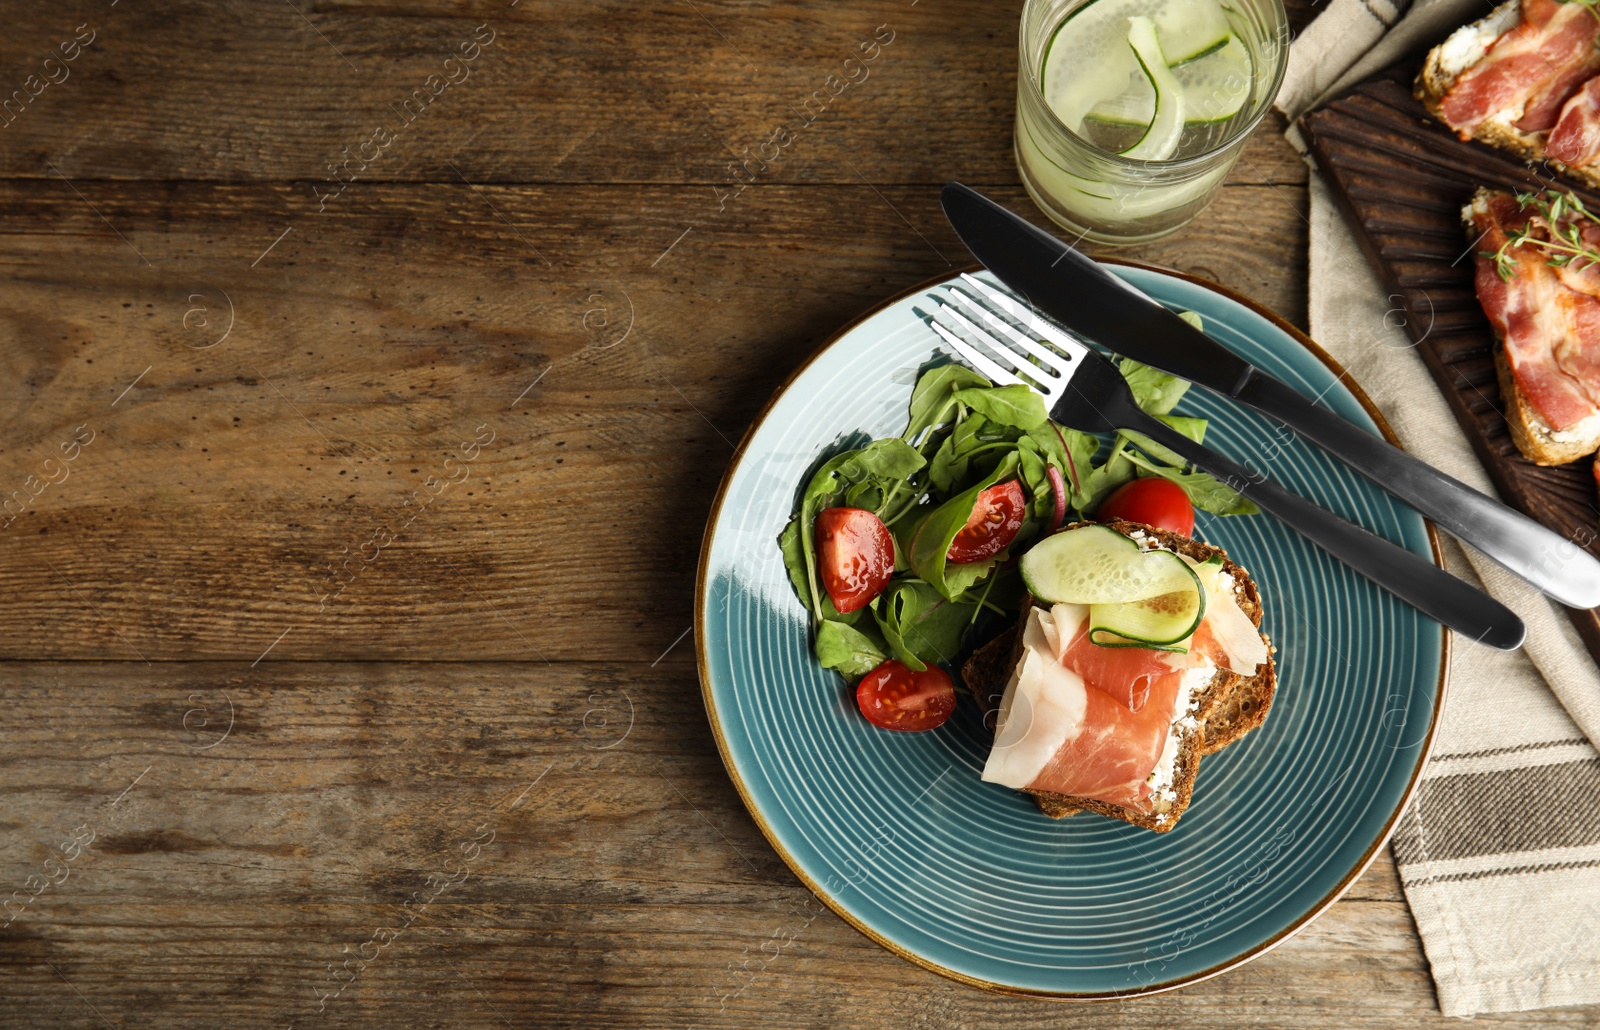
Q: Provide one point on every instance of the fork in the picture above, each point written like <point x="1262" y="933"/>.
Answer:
<point x="1006" y="341"/>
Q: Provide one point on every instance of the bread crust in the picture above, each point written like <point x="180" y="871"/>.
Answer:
<point x="1230" y="706"/>
<point x="1529" y="431"/>
<point x="1434" y="81"/>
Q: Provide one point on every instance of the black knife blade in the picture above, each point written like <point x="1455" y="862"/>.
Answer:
<point x="1087" y="299"/>
<point x="1051" y="274"/>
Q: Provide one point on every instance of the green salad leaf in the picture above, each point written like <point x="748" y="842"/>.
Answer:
<point x="1193" y="428"/>
<point x="932" y="399"/>
<point x="934" y="535"/>
<point x="1018" y="405"/>
<point x="1205" y="491"/>
<point x="1154" y="390"/>
<point x="964" y="435"/>
<point x="848" y="649"/>
<point x="922" y="626"/>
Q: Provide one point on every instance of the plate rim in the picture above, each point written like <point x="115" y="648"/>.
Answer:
<point x="842" y="911"/>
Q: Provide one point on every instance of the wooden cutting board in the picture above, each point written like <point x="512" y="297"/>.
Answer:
<point x="1402" y="179"/>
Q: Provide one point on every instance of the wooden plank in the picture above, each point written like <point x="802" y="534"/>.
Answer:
<point x="256" y="823"/>
<point x="1402" y="179"/>
<point x="278" y="92"/>
<point x="227" y="482"/>
<point x="253" y="827"/>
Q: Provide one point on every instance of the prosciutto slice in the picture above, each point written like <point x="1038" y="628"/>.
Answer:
<point x="1084" y="720"/>
<point x="1113" y="755"/>
<point x="1576" y="138"/>
<point x="1123" y="674"/>
<point x="1532" y="69"/>
<point x="1549" y="319"/>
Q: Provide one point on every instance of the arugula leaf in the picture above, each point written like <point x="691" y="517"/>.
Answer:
<point x="920" y="625"/>
<point x="967" y="433"/>
<point x="847" y="649"/>
<point x="897" y="645"/>
<point x="1073" y="453"/>
<point x="1017" y="405"/>
<point x="947" y="467"/>
<point x="892" y="458"/>
<point x="869" y="495"/>
<point x="1153" y="390"/>
<point x="1193" y="428"/>
<point x="933" y="537"/>
<point x="1117" y="470"/>
<point x="962" y="576"/>
<point x="1193" y="318"/>
<point x="794" y="560"/>
<point x="1204" y="490"/>
<point x="1035" y="480"/>
<point x="931" y="400"/>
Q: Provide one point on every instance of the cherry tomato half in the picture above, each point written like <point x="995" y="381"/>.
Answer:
<point x="1155" y="502"/>
<point x="993" y="524"/>
<point x="856" y="553"/>
<point x="895" y="698"/>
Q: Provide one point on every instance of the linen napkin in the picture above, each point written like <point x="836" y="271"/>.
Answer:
<point x="1499" y="852"/>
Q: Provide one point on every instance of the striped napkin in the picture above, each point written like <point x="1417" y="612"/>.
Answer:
<point x="1499" y="852"/>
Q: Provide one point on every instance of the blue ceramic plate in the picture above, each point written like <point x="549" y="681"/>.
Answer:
<point x="896" y="832"/>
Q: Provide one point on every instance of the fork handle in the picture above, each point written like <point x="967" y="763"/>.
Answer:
<point x="1407" y="575"/>
<point x="1549" y="561"/>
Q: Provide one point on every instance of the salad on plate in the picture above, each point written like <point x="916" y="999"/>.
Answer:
<point x="899" y="548"/>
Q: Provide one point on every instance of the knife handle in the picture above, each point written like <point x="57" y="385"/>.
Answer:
<point x="1407" y="575"/>
<point x="1554" y="564"/>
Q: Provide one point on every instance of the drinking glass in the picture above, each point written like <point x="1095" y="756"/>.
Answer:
<point x="1105" y="197"/>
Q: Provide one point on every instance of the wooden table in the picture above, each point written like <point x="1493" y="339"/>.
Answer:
<point x="368" y="373"/>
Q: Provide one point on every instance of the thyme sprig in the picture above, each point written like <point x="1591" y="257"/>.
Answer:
<point x="1564" y="214"/>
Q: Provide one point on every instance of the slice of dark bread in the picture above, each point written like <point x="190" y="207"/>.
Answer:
<point x="1230" y="706"/>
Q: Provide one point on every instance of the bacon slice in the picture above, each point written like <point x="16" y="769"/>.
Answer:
<point x="1576" y="138"/>
<point x="1549" y="320"/>
<point x="1532" y="69"/>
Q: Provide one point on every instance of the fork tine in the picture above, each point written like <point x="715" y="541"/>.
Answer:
<point x="1058" y="363"/>
<point x="1046" y="381"/>
<point x="977" y="358"/>
<point x="1014" y="307"/>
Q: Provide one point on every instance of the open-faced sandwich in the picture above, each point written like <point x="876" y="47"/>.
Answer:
<point x="1138" y="651"/>
<point x="1538" y="280"/>
<point x="1526" y="78"/>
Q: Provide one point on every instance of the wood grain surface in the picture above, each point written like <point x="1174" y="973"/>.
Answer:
<point x="356" y="508"/>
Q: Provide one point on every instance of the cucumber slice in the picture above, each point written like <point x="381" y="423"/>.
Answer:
<point x="1160" y="140"/>
<point x="1190" y="28"/>
<point x="1217" y="85"/>
<point x="1166" y="619"/>
<point x="1133" y="106"/>
<point x="1136" y="598"/>
<point x="1086" y="61"/>
<point x="1095" y="565"/>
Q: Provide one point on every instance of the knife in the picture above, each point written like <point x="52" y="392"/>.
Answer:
<point x="1086" y="298"/>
